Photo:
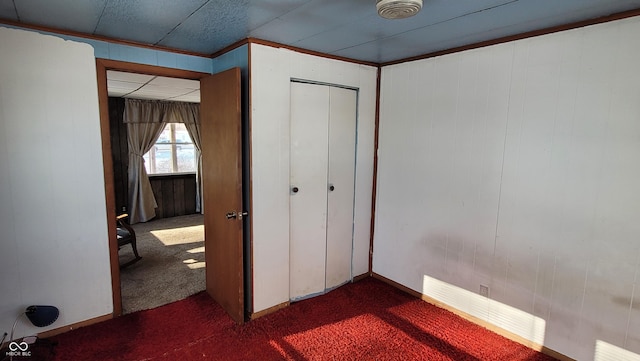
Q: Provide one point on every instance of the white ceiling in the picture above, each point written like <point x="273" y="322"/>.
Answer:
<point x="142" y="86"/>
<point x="347" y="28"/>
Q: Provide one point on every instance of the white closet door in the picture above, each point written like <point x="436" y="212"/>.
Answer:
<point x="341" y="173"/>
<point x="308" y="173"/>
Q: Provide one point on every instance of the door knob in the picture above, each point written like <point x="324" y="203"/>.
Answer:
<point x="295" y="189"/>
<point x="238" y="215"/>
<point x="331" y="187"/>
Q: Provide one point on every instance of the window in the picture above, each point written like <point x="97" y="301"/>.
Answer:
<point x="172" y="153"/>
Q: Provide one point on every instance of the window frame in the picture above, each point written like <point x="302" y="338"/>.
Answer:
<point x="174" y="145"/>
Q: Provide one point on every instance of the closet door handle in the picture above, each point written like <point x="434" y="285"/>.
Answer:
<point x="331" y="187"/>
<point x="294" y="189"/>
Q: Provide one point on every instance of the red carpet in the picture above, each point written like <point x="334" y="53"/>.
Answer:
<point x="367" y="320"/>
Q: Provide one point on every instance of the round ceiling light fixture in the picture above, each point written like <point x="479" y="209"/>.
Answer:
<point x="398" y="9"/>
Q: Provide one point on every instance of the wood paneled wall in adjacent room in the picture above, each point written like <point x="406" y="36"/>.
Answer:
<point x="120" y="152"/>
<point x="175" y="194"/>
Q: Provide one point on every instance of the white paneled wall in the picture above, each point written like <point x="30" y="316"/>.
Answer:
<point x="517" y="166"/>
<point x="53" y="223"/>
<point x="271" y="72"/>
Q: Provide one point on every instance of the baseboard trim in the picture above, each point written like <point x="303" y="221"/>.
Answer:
<point x="480" y="322"/>
<point x="74" y="326"/>
<point x="269" y="310"/>
<point x="275" y="308"/>
<point x="361" y="277"/>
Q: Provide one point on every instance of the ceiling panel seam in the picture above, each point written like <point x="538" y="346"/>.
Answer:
<point x="182" y="95"/>
<point x="278" y="17"/>
<point x="99" y="18"/>
<point x="181" y="22"/>
<point x="461" y="16"/>
<point x="331" y="29"/>
<point x="15" y="9"/>
<point x="141" y="86"/>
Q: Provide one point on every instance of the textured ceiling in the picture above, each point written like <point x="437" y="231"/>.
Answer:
<point x="348" y="28"/>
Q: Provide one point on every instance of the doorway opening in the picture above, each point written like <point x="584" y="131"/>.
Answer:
<point x="223" y="135"/>
<point x="172" y="248"/>
<point x="171" y="242"/>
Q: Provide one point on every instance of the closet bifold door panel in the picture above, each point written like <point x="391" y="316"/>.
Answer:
<point x="322" y="168"/>
<point x="308" y="189"/>
<point x="340" y="186"/>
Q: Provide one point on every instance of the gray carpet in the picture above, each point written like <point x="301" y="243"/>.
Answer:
<point x="172" y="264"/>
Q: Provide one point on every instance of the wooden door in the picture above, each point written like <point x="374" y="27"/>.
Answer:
<point x="221" y="136"/>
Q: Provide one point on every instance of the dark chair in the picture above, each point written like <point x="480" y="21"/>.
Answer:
<point x="126" y="235"/>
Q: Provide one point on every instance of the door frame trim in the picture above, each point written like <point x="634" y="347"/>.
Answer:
<point x="102" y="65"/>
<point x="315" y="82"/>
